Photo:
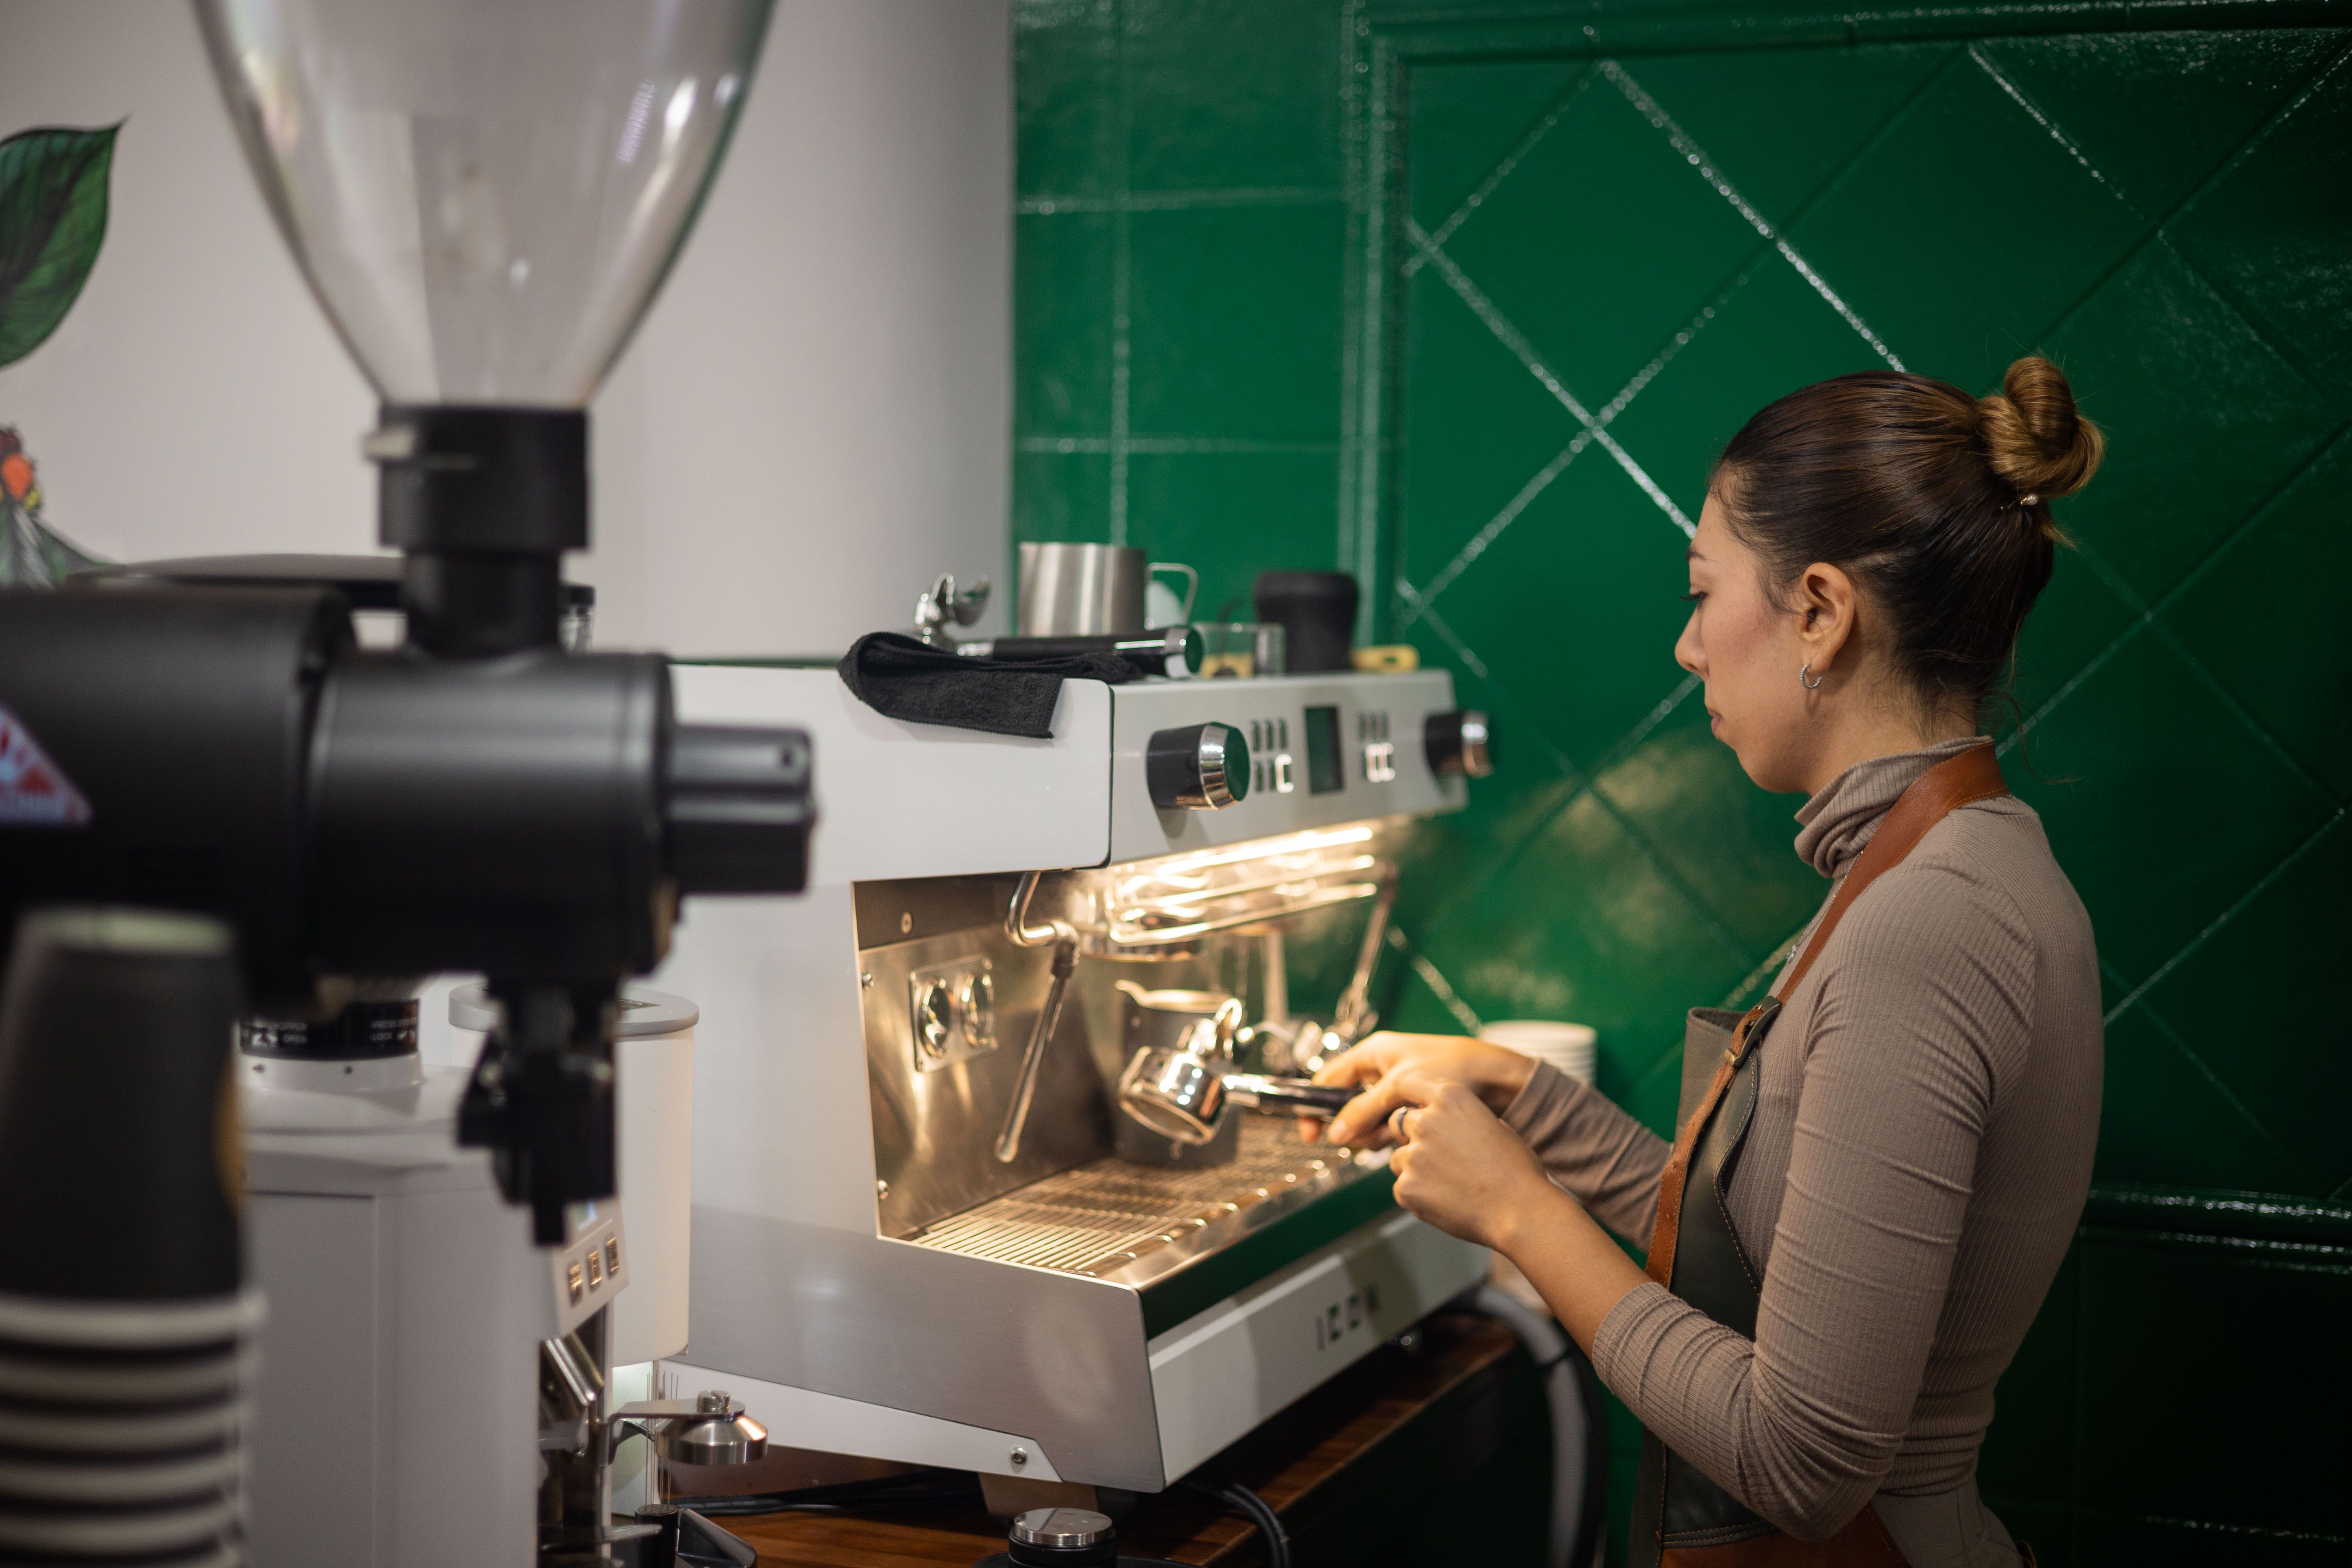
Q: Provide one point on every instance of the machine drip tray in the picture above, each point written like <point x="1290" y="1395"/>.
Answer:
<point x="1133" y="1225"/>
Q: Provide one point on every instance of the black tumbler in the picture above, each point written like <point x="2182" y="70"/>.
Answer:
<point x="1316" y="612"/>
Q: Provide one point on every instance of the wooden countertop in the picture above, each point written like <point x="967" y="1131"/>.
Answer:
<point x="1310" y="1462"/>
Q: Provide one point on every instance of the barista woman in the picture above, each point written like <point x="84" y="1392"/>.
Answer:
<point x="1865" y="1204"/>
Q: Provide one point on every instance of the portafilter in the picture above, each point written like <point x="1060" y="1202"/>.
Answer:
<point x="1181" y="1092"/>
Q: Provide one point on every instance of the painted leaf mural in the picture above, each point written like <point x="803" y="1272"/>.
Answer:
<point x="32" y="553"/>
<point x="53" y="187"/>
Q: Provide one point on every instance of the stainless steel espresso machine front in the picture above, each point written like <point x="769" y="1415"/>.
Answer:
<point x="913" y="1236"/>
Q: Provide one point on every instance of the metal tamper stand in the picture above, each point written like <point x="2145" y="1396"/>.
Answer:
<point x="1064" y="1538"/>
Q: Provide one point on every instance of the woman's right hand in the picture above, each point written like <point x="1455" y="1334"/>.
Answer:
<point x="1492" y="1072"/>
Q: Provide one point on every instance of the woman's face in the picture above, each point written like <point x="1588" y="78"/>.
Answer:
<point x="1748" y="655"/>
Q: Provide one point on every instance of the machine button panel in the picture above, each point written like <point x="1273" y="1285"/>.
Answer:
<point x="1273" y="769"/>
<point x="587" y="1270"/>
<point x="1320" y="750"/>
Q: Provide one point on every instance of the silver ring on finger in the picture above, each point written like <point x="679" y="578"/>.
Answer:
<point x="1396" y="1123"/>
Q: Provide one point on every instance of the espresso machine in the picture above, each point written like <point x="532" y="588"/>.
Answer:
<point x="915" y="1234"/>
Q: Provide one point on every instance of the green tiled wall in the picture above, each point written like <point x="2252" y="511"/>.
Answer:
<point x="1465" y="298"/>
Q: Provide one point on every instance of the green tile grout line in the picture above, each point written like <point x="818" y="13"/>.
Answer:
<point x="2205" y="1069"/>
<point x="1122" y="255"/>
<point x="1668" y="350"/>
<point x="2156" y="977"/>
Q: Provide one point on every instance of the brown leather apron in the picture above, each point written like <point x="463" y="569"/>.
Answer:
<point x="1681" y="1518"/>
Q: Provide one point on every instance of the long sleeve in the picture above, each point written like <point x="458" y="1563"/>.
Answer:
<point x="1608" y="1161"/>
<point x="1921" y="1016"/>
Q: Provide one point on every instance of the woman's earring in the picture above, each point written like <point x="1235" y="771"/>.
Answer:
<point x="1812" y="685"/>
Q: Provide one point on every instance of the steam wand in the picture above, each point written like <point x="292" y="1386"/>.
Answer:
<point x="1049" y="1016"/>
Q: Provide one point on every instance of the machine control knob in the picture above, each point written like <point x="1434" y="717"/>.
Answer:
<point x="1201" y="767"/>
<point x="1459" y="742"/>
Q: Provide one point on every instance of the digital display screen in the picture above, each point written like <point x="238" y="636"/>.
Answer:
<point x="1325" y="772"/>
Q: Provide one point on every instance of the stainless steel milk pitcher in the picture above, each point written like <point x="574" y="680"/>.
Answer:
<point x="1090" y="590"/>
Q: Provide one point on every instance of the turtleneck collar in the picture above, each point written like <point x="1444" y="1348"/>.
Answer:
<point x="1839" y="820"/>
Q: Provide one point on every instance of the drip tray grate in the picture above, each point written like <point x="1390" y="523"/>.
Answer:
<point x="1098" y="1218"/>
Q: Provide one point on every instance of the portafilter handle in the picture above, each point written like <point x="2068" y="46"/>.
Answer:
<point x="1182" y="1095"/>
<point x="1261" y="1091"/>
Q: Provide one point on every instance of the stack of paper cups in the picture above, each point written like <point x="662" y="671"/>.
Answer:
<point x="1569" y="1047"/>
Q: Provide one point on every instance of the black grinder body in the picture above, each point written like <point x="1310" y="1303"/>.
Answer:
<point x="476" y="799"/>
<point x="179" y="722"/>
<point x="508" y="808"/>
<point x="355" y="814"/>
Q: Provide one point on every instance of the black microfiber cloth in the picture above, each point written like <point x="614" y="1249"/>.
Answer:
<point x="900" y="677"/>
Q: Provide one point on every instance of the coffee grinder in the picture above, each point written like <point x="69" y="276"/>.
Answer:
<point x="484" y="196"/>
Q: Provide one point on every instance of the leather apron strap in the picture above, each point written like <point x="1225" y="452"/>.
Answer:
<point x="1955" y="782"/>
<point x="1683" y="1519"/>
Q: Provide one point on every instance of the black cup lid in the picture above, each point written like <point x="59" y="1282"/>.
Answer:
<point x="1303" y="585"/>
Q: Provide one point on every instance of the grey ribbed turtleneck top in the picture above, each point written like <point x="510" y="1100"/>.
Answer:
<point x="1920" y="1150"/>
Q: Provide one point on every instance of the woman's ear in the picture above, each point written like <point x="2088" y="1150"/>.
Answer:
<point x="1826" y="605"/>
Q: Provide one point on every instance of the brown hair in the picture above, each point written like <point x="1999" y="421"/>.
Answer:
<point x="1937" y="503"/>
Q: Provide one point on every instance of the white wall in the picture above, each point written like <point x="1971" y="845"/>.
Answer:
<point x="815" y="421"/>
<point x="194" y="400"/>
<point x="810" y="423"/>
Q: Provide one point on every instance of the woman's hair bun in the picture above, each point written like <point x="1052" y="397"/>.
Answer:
<point x="2034" y="435"/>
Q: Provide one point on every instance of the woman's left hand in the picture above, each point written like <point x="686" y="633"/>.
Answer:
<point x="1460" y="1168"/>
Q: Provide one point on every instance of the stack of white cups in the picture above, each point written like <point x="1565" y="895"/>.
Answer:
<point x="1572" y="1049"/>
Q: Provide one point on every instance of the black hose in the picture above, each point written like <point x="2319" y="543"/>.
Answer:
<point x="1251" y="1506"/>
<point x="1595" y="1512"/>
<point x="1277" y="1539"/>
